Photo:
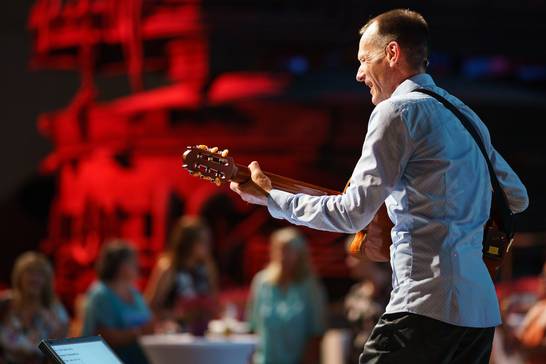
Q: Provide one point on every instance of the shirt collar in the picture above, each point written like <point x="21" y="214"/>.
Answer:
<point x="412" y="83"/>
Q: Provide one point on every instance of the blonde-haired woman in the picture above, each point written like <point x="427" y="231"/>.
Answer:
<point x="34" y="311"/>
<point x="286" y="304"/>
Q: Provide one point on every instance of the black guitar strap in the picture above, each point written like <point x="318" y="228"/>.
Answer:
<point x="499" y="206"/>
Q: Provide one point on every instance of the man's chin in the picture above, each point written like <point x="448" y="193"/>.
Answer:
<point x="376" y="99"/>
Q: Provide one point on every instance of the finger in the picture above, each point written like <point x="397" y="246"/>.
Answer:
<point x="235" y="187"/>
<point x="255" y="169"/>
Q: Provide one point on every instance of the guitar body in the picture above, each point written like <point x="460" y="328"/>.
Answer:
<point x="375" y="241"/>
<point x="496" y="244"/>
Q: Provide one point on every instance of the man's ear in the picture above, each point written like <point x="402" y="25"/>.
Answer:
<point x="392" y="51"/>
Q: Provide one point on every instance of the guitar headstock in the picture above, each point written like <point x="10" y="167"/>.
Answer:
<point x="209" y="163"/>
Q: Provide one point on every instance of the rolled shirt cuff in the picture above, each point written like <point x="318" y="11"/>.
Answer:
<point x="277" y="203"/>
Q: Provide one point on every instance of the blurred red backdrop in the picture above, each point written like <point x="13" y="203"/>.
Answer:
<point x="118" y="161"/>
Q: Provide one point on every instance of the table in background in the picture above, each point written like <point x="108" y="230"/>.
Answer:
<point x="188" y="349"/>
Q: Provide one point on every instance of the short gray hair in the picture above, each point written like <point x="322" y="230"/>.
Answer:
<point x="409" y="29"/>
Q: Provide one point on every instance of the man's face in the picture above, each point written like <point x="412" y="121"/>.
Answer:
<point x="375" y="70"/>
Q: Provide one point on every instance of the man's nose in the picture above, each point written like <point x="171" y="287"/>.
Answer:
<point x="360" y="75"/>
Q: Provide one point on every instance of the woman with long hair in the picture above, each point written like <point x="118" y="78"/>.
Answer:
<point x="183" y="284"/>
<point x="286" y="304"/>
<point x="33" y="313"/>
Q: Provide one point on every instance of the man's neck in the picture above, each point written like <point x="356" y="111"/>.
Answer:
<point x="409" y="74"/>
<point x="403" y="76"/>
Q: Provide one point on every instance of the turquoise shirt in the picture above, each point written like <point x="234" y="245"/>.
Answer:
<point x="285" y="319"/>
<point x="104" y="308"/>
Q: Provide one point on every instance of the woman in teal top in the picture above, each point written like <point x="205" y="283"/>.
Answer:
<point x="286" y="304"/>
<point x="114" y="308"/>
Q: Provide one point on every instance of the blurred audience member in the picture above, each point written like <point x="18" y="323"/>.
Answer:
<point x="183" y="284"/>
<point x="532" y="333"/>
<point x="30" y="311"/>
<point x="114" y="308"/>
<point x="366" y="301"/>
<point x="522" y="336"/>
<point x="286" y="304"/>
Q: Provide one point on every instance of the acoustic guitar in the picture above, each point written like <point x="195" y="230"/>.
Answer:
<point x="216" y="166"/>
<point x="374" y="241"/>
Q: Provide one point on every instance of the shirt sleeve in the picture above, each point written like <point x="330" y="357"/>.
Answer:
<point x="60" y="313"/>
<point x="99" y="312"/>
<point x="515" y="191"/>
<point x="386" y="150"/>
<point x="144" y="313"/>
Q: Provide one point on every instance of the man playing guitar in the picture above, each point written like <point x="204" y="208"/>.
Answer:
<point x="420" y="162"/>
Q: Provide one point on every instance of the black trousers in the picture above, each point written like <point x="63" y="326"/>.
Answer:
<point x="410" y="338"/>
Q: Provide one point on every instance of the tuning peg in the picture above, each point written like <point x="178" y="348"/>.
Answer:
<point x="225" y="153"/>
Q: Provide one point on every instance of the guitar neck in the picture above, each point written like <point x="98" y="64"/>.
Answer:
<point x="284" y="183"/>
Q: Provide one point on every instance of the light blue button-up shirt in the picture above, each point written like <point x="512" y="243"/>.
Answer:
<point x="419" y="159"/>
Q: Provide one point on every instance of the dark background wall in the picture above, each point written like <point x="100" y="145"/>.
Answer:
<point x="24" y="95"/>
<point x="24" y="194"/>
